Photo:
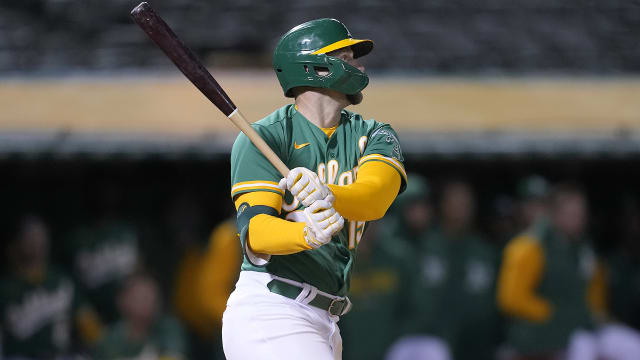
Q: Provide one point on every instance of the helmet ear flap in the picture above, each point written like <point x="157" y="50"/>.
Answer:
<point x="321" y="71"/>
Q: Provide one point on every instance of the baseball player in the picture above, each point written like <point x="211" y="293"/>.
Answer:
<point x="299" y="233"/>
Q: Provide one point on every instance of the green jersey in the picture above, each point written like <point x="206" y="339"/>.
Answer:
<point x="36" y="318"/>
<point x="101" y="257"/>
<point x="452" y="295"/>
<point x="378" y="293"/>
<point x="624" y="283"/>
<point x="299" y="143"/>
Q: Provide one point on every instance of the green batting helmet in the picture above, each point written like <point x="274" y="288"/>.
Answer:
<point x="302" y="51"/>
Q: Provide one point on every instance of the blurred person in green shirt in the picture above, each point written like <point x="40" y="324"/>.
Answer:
<point x="452" y="307"/>
<point x="101" y="255"/>
<point x="624" y="268"/>
<point x="385" y="259"/>
<point x="40" y="306"/>
<point x="144" y="331"/>
<point x="378" y="286"/>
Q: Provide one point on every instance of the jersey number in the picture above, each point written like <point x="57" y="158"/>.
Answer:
<point x="356" y="229"/>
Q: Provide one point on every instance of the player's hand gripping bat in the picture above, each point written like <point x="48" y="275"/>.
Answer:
<point x="192" y="68"/>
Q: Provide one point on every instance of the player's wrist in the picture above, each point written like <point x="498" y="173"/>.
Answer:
<point x="310" y="239"/>
<point x="322" y="222"/>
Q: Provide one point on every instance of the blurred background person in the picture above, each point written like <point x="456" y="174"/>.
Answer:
<point x="410" y="217"/>
<point x="205" y="275"/>
<point x="533" y="198"/>
<point x="40" y="306"/>
<point x="551" y="286"/>
<point x="502" y="220"/>
<point x="623" y="267"/>
<point x="452" y="307"/>
<point x="619" y="338"/>
<point x="144" y="331"/>
<point x="378" y="294"/>
<point x="102" y="254"/>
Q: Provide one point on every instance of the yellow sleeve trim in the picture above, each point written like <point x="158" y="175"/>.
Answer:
<point x="391" y="161"/>
<point x="521" y="272"/>
<point x="254" y="198"/>
<point x="247" y="186"/>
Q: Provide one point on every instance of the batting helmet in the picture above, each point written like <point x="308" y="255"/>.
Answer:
<point x="301" y="52"/>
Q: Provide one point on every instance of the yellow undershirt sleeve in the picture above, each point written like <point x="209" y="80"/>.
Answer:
<point x="370" y="196"/>
<point x="596" y="293"/>
<point x="522" y="268"/>
<point x="269" y="234"/>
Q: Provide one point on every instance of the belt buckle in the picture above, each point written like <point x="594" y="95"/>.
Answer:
<point x="338" y="303"/>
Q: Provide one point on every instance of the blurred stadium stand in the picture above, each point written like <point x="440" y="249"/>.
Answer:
<point x="520" y="98"/>
<point x="441" y="36"/>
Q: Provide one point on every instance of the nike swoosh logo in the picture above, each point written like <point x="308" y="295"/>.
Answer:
<point x="298" y="147"/>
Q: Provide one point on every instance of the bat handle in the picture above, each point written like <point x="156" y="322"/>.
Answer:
<point x="239" y="120"/>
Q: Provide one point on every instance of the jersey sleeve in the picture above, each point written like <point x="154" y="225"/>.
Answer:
<point x="383" y="145"/>
<point x="250" y="170"/>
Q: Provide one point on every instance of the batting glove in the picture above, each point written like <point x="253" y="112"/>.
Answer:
<point x="306" y="186"/>
<point x="322" y="223"/>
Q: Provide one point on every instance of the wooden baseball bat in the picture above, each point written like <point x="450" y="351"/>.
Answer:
<point x="192" y="68"/>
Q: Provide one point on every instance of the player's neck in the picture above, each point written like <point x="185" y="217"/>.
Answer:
<point x="321" y="107"/>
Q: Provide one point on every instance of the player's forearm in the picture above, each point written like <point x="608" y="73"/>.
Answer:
<point x="370" y="196"/>
<point x="274" y="236"/>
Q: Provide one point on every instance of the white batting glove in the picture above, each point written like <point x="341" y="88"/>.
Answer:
<point x="306" y="186"/>
<point x="323" y="221"/>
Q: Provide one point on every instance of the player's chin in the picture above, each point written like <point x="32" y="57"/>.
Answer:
<point x="356" y="98"/>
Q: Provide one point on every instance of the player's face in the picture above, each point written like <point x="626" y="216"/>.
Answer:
<point x="346" y="55"/>
<point x="570" y="215"/>
<point x="418" y="216"/>
<point x="457" y="205"/>
<point x="139" y="301"/>
<point x="34" y="242"/>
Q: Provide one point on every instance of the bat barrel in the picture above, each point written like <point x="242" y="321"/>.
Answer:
<point x="181" y="56"/>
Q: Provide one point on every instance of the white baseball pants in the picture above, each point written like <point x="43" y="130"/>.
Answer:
<point x="259" y="324"/>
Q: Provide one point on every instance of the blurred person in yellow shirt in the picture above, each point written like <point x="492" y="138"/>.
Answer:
<point x="551" y="285"/>
<point x="204" y="279"/>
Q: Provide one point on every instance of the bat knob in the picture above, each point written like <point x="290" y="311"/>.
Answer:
<point x="140" y="9"/>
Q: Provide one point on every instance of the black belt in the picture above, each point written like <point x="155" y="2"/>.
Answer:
<point x="336" y="307"/>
